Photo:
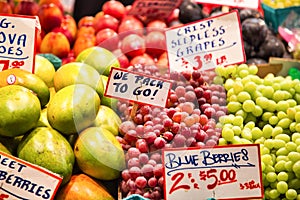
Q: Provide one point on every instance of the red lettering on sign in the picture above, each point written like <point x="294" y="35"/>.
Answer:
<point x="199" y="61"/>
<point x="3" y="196"/>
<point x="221" y="60"/>
<point x="249" y="185"/>
<point x="177" y="178"/>
<point x="5" y="64"/>
<point x="17" y="64"/>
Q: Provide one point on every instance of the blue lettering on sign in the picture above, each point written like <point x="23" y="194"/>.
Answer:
<point x="23" y="184"/>
<point x="208" y="160"/>
<point x="141" y="81"/>
<point x="11" y="44"/>
<point x="199" y="37"/>
<point x="11" y="164"/>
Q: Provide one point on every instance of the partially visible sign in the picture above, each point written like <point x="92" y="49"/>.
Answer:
<point x="254" y="4"/>
<point x="221" y="172"/>
<point x="137" y="87"/>
<point x="206" y="43"/>
<point x="25" y="181"/>
<point x="154" y="9"/>
<point x="17" y="42"/>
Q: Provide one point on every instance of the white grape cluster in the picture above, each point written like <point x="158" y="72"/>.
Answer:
<point x="265" y="111"/>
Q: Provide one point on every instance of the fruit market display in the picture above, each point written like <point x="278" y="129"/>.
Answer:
<point x="59" y="118"/>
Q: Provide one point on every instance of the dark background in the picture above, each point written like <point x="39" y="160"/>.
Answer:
<point x="91" y="7"/>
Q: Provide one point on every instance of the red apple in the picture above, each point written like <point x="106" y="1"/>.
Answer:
<point x="69" y="23"/>
<point x="5" y="7"/>
<point x="128" y="8"/>
<point x="175" y="23"/>
<point x="157" y="25"/>
<point x="130" y="25"/>
<point x="50" y="16"/>
<point x="155" y="43"/>
<point x="85" y="30"/>
<point x="107" y="38"/>
<point x="66" y="32"/>
<point x="86" y="21"/>
<point x="163" y="62"/>
<point x="122" y="58"/>
<point x="174" y="16"/>
<point x="50" y="43"/>
<point x="27" y="7"/>
<point x="144" y="60"/>
<point x="69" y="58"/>
<point x="102" y="21"/>
<point x="133" y="45"/>
<point x="38" y="41"/>
<point x="114" y="8"/>
<point x="56" y="2"/>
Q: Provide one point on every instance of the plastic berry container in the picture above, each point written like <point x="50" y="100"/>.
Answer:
<point x="135" y="197"/>
<point x="275" y="16"/>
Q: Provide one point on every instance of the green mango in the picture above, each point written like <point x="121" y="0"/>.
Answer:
<point x="73" y="108"/>
<point x="4" y="149"/>
<point x="107" y="118"/>
<point x="33" y="82"/>
<point x="43" y="121"/>
<point x="47" y="148"/>
<point x="99" y="154"/>
<point x="19" y="110"/>
<point x="99" y="58"/>
<point x="107" y="101"/>
<point x="11" y="143"/>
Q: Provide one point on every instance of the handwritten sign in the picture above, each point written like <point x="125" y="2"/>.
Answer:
<point x="205" y="44"/>
<point x="17" y="42"/>
<point x="137" y="87"/>
<point x="254" y="4"/>
<point x="23" y="180"/>
<point x="222" y="172"/>
<point x="157" y="9"/>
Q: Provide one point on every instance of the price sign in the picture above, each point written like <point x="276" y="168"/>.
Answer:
<point x="158" y="9"/>
<point x="254" y="4"/>
<point x="222" y="172"/>
<point x="23" y="180"/>
<point x="137" y="87"/>
<point x="17" y="42"/>
<point x="206" y="43"/>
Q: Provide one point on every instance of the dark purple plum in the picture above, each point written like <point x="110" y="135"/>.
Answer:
<point x="271" y="47"/>
<point x="254" y="31"/>
<point x="249" y="13"/>
<point x="189" y="11"/>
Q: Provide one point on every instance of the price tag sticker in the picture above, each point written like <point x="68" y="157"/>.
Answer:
<point x="23" y="180"/>
<point x="17" y="42"/>
<point x="137" y="87"/>
<point x="154" y="9"/>
<point x="206" y="43"/>
<point x="221" y="172"/>
<point x="253" y="4"/>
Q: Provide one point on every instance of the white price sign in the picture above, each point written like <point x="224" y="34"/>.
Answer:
<point x="254" y="4"/>
<point x="23" y="180"/>
<point x="137" y="87"/>
<point x="17" y="42"/>
<point x="221" y="172"/>
<point x="206" y="43"/>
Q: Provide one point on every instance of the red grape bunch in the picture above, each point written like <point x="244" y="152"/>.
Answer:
<point x="190" y="119"/>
